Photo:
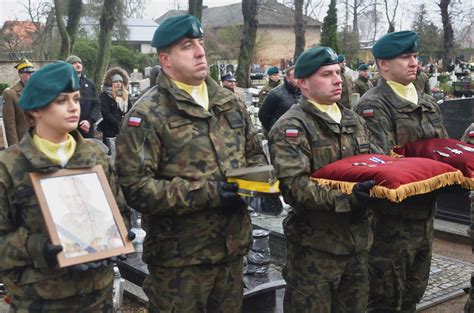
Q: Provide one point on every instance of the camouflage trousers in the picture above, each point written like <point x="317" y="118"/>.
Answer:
<point x="321" y="282"/>
<point x="196" y="288"/>
<point x="399" y="263"/>
<point x="99" y="301"/>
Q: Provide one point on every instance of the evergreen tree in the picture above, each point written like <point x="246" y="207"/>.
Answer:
<point x="329" y="29"/>
<point x="431" y="40"/>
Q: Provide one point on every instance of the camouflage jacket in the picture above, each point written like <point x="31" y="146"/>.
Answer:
<point x="170" y="155"/>
<point x="301" y="142"/>
<point x="346" y="96"/>
<point x="468" y="135"/>
<point x="395" y="121"/>
<point x="23" y="232"/>
<point x="266" y="89"/>
<point x="422" y="83"/>
<point x="362" y="85"/>
<point x="14" y="118"/>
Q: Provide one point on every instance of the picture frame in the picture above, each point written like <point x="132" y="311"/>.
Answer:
<point x="81" y="214"/>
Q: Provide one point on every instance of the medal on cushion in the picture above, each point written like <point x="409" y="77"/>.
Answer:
<point x="455" y="151"/>
<point x="443" y="154"/>
<point x="465" y="147"/>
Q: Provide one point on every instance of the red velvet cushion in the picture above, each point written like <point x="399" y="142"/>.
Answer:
<point x="451" y="151"/>
<point x="395" y="178"/>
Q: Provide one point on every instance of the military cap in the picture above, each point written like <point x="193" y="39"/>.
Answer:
<point x="312" y="59"/>
<point x="341" y="58"/>
<point x="363" y="67"/>
<point x="47" y="83"/>
<point x="73" y="59"/>
<point x="228" y="77"/>
<point x="174" y="28"/>
<point x="25" y="67"/>
<point x="393" y="44"/>
<point x="272" y="70"/>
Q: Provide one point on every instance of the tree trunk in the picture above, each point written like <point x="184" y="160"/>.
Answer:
<point x="65" y="40"/>
<point x="247" y="43"/>
<point x="355" y="19"/>
<point x="74" y="16"/>
<point x="195" y="8"/>
<point x="107" y="20"/>
<point x="448" y="34"/>
<point x="300" y="40"/>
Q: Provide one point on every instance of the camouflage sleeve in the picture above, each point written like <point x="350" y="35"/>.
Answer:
<point x="119" y="198"/>
<point x="138" y="160"/>
<point x="291" y="157"/>
<point x="382" y="137"/>
<point x="467" y="137"/>
<point x="17" y="247"/>
<point x="253" y="147"/>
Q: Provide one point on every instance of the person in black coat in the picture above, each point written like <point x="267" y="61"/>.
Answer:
<point x="114" y="100"/>
<point x="90" y="105"/>
<point x="279" y="100"/>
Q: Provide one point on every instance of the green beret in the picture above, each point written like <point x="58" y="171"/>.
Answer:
<point x="312" y="59"/>
<point x="73" y="59"/>
<point x="393" y="44"/>
<point x="174" y="28"/>
<point x="363" y="67"/>
<point x="272" y="70"/>
<point x="341" y="58"/>
<point x="47" y="83"/>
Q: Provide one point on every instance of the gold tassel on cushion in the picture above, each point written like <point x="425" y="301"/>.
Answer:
<point x="468" y="183"/>
<point x="404" y="191"/>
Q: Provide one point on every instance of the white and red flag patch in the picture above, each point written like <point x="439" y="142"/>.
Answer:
<point x="134" y="121"/>
<point x="471" y="133"/>
<point x="291" y="132"/>
<point x="368" y="113"/>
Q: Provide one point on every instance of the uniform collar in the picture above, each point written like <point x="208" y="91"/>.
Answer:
<point x="401" y="104"/>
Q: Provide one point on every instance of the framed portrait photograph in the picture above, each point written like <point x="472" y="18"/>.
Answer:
<point x="81" y="215"/>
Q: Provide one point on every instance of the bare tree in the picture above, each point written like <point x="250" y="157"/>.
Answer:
<point x="300" y="40"/>
<point x="358" y="7"/>
<point x="247" y="43"/>
<point x="391" y="19"/>
<point x="134" y="8"/>
<point x="67" y="33"/>
<point x="448" y="33"/>
<point x="195" y="8"/>
<point x="109" y="15"/>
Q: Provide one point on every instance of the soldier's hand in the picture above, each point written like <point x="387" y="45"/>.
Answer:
<point x="131" y="235"/>
<point x="230" y="199"/>
<point x="83" y="267"/>
<point x="50" y="253"/>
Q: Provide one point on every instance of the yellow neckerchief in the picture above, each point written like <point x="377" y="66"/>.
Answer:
<point x="199" y="93"/>
<point x="407" y="92"/>
<point x="58" y="153"/>
<point x="332" y="110"/>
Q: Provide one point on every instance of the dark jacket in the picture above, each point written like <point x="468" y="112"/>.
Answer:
<point x="110" y="110"/>
<point x="90" y="105"/>
<point x="278" y="101"/>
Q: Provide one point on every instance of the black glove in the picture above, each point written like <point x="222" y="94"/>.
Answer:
<point x="83" y="267"/>
<point x="131" y="235"/>
<point x="50" y="252"/>
<point x="360" y="199"/>
<point x="230" y="200"/>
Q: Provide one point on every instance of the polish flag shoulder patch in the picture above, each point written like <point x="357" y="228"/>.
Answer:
<point x="134" y="121"/>
<point x="471" y="133"/>
<point x="368" y="113"/>
<point x="291" y="132"/>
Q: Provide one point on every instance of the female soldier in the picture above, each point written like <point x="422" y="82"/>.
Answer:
<point x="28" y="265"/>
<point x="114" y="101"/>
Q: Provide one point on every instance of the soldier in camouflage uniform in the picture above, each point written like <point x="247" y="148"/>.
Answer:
<point x="346" y="96"/>
<point x="422" y="81"/>
<point x="468" y="137"/>
<point x="173" y="152"/>
<point x="327" y="232"/>
<point x="400" y="257"/>
<point x="28" y="265"/>
<point x="273" y="81"/>
<point x="362" y="84"/>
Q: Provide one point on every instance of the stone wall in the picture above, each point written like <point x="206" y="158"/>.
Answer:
<point x="8" y="73"/>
